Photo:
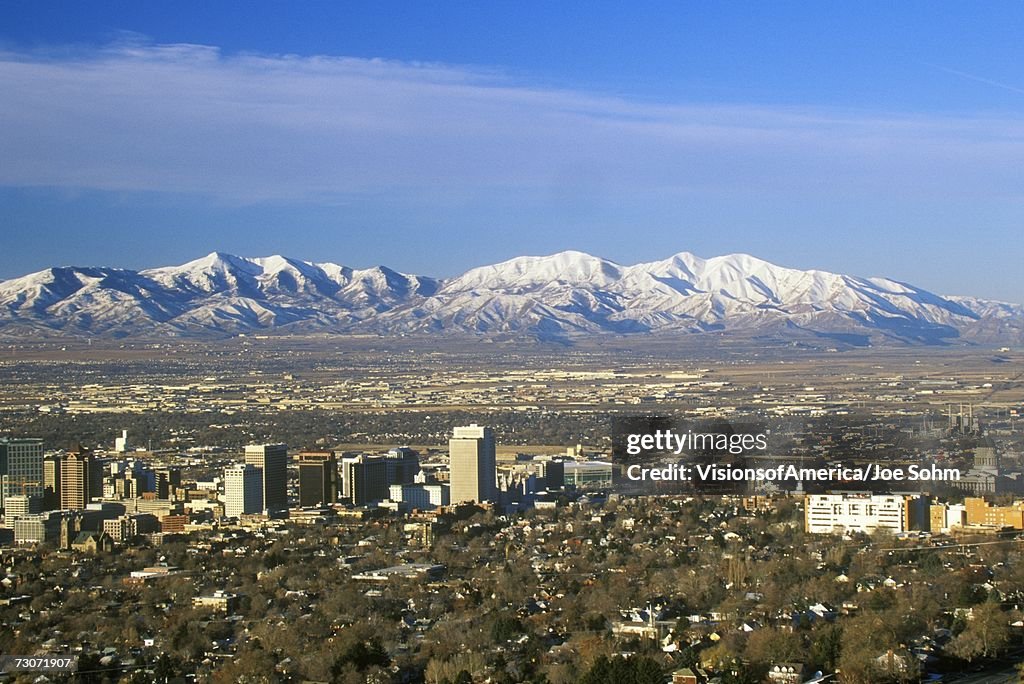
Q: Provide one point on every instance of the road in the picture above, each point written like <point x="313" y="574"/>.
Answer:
<point x="1004" y="672"/>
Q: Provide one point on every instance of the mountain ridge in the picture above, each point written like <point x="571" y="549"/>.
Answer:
<point x="557" y="296"/>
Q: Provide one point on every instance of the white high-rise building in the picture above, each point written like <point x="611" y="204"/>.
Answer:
<point x="243" y="490"/>
<point x="472" y="469"/>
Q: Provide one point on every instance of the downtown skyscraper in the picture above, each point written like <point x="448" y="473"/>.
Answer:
<point x="318" y="478"/>
<point x="77" y="472"/>
<point x="272" y="459"/>
<point x="21" y="472"/>
<point x="243" y="490"/>
<point x="472" y="467"/>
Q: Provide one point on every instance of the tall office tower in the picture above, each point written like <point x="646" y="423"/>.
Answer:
<point x="76" y="473"/>
<point x="552" y="473"/>
<point x="21" y="470"/>
<point x="128" y="487"/>
<point x="166" y="481"/>
<point x="97" y="469"/>
<point x="243" y="490"/>
<point x="318" y="478"/>
<point x="272" y="459"/>
<point x="403" y="464"/>
<point x="364" y="479"/>
<point x="145" y="477"/>
<point x="472" y="469"/>
<point x="51" y="482"/>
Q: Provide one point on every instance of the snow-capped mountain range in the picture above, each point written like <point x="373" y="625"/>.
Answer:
<point x="557" y="296"/>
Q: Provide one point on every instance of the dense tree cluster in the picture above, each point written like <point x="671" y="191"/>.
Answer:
<point x="528" y="599"/>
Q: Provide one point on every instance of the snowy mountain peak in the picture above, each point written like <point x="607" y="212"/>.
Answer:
<point x="214" y="262"/>
<point x="529" y="272"/>
<point x="558" y="295"/>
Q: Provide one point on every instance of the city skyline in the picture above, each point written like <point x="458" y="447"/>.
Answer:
<point x="532" y="342"/>
<point x="181" y="524"/>
<point x="137" y="136"/>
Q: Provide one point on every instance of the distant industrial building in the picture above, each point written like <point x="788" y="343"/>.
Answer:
<point x="961" y="422"/>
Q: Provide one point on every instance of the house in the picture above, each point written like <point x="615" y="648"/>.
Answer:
<point x="689" y="675"/>
<point x="902" y="664"/>
<point x="787" y="673"/>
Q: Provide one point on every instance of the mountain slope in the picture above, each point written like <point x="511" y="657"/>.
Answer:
<point x="218" y="294"/>
<point x="561" y="295"/>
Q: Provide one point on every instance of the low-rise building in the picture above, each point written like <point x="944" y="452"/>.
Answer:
<point x="222" y="601"/>
<point x="418" y="571"/>
<point x="865" y="512"/>
<point x="981" y="512"/>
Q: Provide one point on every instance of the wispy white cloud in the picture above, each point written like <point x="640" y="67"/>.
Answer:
<point x="978" y="79"/>
<point x="250" y="128"/>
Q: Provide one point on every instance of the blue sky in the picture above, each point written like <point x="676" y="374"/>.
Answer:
<point x="868" y="138"/>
